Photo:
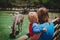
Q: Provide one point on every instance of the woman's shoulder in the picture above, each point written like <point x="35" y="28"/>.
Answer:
<point x="51" y="23"/>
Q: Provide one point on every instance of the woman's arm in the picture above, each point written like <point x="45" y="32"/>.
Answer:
<point x="55" y="19"/>
<point x="36" y="36"/>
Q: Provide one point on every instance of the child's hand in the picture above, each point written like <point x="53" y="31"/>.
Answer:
<point x="44" y="29"/>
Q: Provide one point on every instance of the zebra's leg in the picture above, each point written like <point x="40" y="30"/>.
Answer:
<point x="21" y="24"/>
<point x="19" y="27"/>
<point x="13" y="31"/>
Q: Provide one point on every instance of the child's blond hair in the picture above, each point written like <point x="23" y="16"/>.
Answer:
<point x="32" y="16"/>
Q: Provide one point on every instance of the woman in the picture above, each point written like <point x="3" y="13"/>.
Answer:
<point x="43" y="19"/>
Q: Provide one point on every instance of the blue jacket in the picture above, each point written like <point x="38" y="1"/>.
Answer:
<point x="38" y="28"/>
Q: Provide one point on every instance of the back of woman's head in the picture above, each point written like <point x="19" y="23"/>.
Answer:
<point x="42" y="15"/>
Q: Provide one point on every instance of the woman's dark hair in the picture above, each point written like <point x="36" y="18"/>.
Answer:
<point x="42" y="14"/>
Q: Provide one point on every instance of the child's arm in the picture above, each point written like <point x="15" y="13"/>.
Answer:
<point x="38" y="31"/>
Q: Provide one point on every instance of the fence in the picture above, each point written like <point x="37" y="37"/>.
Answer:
<point x="57" y="31"/>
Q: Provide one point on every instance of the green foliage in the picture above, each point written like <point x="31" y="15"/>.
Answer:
<point x="3" y="0"/>
<point x="45" y="1"/>
<point x="53" y="4"/>
<point x="38" y="3"/>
